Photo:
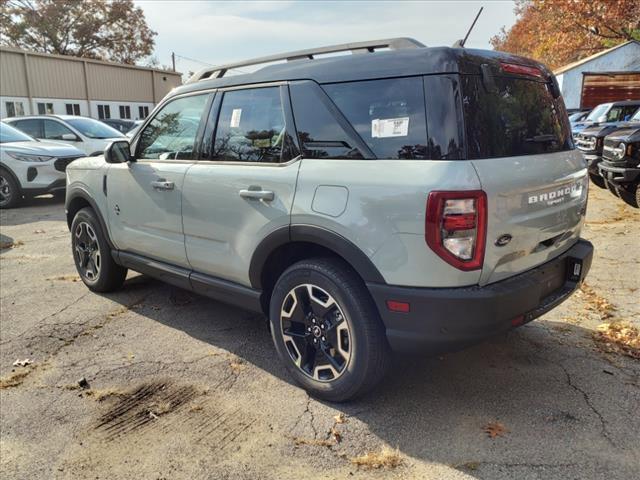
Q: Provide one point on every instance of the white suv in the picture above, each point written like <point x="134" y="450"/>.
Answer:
<point x="29" y="167"/>
<point x="87" y="134"/>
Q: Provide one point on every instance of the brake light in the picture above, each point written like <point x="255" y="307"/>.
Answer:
<point x="456" y="227"/>
<point x="521" y="69"/>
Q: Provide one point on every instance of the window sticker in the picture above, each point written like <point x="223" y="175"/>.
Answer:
<point x="390" y="127"/>
<point x="235" y="118"/>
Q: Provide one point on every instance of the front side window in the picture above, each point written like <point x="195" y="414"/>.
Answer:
<point x="388" y="115"/>
<point x="32" y="127"/>
<point x="55" y="130"/>
<point x="172" y="132"/>
<point x="621" y="113"/>
<point x="252" y="128"/>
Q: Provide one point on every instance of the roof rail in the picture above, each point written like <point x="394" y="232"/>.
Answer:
<point x="355" y="47"/>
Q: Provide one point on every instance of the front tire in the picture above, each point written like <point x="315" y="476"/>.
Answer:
<point x="92" y="254"/>
<point x="10" y="194"/>
<point x="327" y="330"/>
<point x="597" y="180"/>
<point x="631" y="195"/>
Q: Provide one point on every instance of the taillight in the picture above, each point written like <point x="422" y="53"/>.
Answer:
<point x="456" y="227"/>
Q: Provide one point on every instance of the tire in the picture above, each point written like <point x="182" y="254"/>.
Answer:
<point x="92" y="254"/>
<point x="331" y="306"/>
<point x="10" y="194"/>
<point x="597" y="180"/>
<point x="631" y="195"/>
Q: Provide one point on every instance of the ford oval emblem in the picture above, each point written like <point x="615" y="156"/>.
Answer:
<point x="503" y="240"/>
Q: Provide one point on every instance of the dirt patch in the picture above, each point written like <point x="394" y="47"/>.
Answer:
<point x="65" y="278"/>
<point x="10" y="244"/>
<point x="141" y="406"/>
<point x="15" y="378"/>
<point x="385" y="458"/>
<point x="618" y="337"/>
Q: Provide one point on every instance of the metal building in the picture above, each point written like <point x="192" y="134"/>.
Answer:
<point x="38" y="83"/>
<point x="607" y="76"/>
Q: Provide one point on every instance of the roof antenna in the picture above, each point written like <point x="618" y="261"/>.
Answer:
<point x="460" y="43"/>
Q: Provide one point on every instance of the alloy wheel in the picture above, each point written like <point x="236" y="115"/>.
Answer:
<point x="87" y="251"/>
<point x="315" y="332"/>
<point x="5" y="191"/>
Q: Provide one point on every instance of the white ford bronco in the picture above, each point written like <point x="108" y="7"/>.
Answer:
<point x="402" y="198"/>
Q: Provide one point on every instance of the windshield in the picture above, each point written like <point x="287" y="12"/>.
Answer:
<point x="598" y="112"/>
<point x="93" y="128"/>
<point x="574" y="117"/>
<point x="636" y="116"/>
<point x="9" y="134"/>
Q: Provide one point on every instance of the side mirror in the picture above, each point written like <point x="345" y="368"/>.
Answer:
<point x="602" y="119"/>
<point x="118" y="152"/>
<point x="70" y="137"/>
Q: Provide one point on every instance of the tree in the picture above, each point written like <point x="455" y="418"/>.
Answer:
<point x="557" y="32"/>
<point x="107" y="30"/>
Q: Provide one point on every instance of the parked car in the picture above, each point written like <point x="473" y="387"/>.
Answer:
<point x="578" y="116"/>
<point x="123" y="126"/>
<point x="89" y="135"/>
<point x="591" y="140"/>
<point x="620" y="165"/>
<point x="29" y="168"/>
<point x="390" y="215"/>
<point x="607" y="113"/>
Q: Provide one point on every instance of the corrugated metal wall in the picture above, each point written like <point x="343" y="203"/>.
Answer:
<point x="54" y="76"/>
<point x="13" y="77"/>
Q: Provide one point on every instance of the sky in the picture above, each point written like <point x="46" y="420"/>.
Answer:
<point x="204" y="33"/>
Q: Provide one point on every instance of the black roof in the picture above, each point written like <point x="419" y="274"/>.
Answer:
<point x="368" y="66"/>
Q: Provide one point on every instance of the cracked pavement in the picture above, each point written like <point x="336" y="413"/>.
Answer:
<point x="181" y="386"/>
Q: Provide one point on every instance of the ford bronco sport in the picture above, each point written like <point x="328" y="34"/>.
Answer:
<point x="411" y="199"/>
<point x="620" y="164"/>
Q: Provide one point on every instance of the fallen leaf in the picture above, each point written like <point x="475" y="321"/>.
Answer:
<point x="340" y="418"/>
<point x="385" y="458"/>
<point x="335" y="434"/>
<point x="495" y="429"/>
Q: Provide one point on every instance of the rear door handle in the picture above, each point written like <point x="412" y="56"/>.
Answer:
<point x="256" y="193"/>
<point x="162" y="185"/>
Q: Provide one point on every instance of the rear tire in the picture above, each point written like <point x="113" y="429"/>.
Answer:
<point x="92" y="254"/>
<point x="327" y="330"/>
<point x="10" y="194"/>
<point x="597" y="180"/>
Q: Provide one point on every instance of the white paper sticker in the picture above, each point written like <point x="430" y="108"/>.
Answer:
<point x="390" y="127"/>
<point x="235" y="117"/>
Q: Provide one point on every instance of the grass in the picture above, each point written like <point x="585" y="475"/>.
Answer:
<point x="386" y="458"/>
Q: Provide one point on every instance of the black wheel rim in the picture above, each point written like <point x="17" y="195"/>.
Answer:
<point x="86" y="251"/>
<point x="5" y="191"/>
<point x="315" y="332"/>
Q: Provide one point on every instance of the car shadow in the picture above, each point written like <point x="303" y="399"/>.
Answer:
<point x="35" y="209"/>
<point x="436" y="408"/>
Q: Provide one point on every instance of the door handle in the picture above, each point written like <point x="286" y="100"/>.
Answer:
<point x="162" y="185"/>
<point x="256" y="193"/>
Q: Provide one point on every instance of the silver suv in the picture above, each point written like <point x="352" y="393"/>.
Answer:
<point x="413" y="199"/>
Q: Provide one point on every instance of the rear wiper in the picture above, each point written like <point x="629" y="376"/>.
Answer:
<point x="547" y="138"/>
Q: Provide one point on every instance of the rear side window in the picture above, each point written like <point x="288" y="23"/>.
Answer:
<point x="519" y="117"/>
<point x="389" y="115"/>
<point x="31" y="127"/>
<point x="621" y="113"/>
<point x="252" y="127"/>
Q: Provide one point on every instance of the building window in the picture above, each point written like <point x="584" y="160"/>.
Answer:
<point x="72" y="108"/>
<point x="45" y="108"/>
<point x="143" y="112"/>
<point x="104" y="111"/>
<point x="14" y="109"/>
<point x="125" y="111"/>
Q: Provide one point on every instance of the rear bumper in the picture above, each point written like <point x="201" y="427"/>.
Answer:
<point x="447" y="319"/>
<point x="619" y="174"/>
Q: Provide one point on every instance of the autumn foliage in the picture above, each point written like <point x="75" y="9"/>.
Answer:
<point x="557" y="32"/>
<point x="107" y="30"/>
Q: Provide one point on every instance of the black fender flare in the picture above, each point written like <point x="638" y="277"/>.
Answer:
<point x="75" y="192"/>
<point x="317" y="235"/>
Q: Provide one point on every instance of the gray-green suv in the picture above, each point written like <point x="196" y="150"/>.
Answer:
<point x="412" y="199"/>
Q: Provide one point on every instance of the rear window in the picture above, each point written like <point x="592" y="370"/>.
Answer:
<point x="520" y="117"/>
<point x="389" y="115"/>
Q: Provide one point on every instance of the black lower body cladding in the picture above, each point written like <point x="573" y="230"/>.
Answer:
<point x="448" y="319"/>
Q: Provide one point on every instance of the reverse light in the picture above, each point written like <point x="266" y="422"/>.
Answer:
<point x="456" y="227"/>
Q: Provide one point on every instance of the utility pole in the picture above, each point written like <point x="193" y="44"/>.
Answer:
<point x="173" y="60"/>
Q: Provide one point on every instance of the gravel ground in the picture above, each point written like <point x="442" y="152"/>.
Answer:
<point x="180" y="386"/>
